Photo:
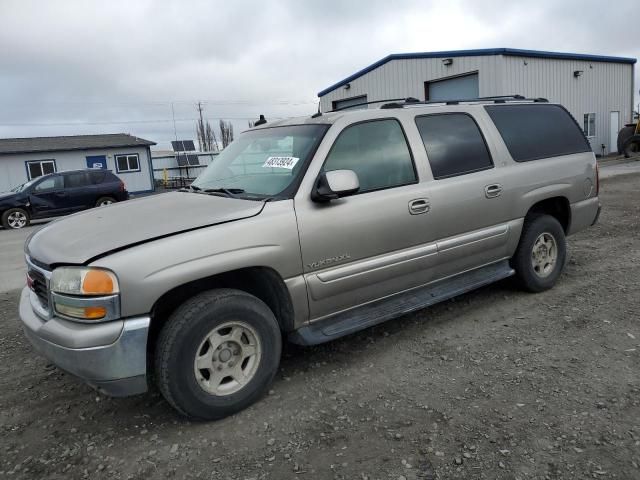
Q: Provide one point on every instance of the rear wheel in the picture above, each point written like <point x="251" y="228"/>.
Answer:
<point x="541" y="253"/>
<point x="15" y="218"/>
<point x="217" y="354"/>
<point x="104" y="201"/>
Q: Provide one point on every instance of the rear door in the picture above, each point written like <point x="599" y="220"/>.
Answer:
<point x="80" y="193"/>
<point x="469" y="212"/>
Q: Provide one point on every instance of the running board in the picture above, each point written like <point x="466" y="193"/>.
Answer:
<point x="397" y="305"/>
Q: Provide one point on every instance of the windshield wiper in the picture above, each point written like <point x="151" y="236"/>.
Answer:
<point x="230" y="192"/>
<point x="190" y="188"/>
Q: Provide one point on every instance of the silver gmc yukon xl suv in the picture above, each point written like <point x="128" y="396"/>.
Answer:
<point x="306" y="230"/>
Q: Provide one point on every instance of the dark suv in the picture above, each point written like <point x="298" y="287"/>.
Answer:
<point x="60" y="194"/>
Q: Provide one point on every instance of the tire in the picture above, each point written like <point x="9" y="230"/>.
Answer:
<point x="623" y="135"/>
<point x="207" y="394"/>
<point x="535" y="271"/>
<point x="631" y="147"/>
<point x="104" y="201"/>
<point x="15" y="218"/>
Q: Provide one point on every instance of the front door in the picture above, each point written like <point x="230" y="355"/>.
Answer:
<point x="97" y="161"/>
<point x="371" y="244"/>
<point x="48" y="197"/>
<point x="614" y="128"/>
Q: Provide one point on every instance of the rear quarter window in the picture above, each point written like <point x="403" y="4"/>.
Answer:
<point x="535" y="131"/>
<point x="97" y="177"/>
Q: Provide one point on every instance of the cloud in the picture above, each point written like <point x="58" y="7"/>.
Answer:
<point x="78" y="66"/>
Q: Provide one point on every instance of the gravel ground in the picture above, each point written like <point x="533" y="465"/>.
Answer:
<point x="494" y="384"/>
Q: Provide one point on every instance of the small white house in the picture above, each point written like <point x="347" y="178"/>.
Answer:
<point x="129" y="157"/>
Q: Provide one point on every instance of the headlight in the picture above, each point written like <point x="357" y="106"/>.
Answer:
<point x="84" y="281"/>
<point x="85" y="294"/>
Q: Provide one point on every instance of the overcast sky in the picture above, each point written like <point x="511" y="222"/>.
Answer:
<point x="82" y="66"/>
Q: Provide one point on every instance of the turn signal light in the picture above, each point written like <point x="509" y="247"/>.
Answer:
<point x="85" y="313"/>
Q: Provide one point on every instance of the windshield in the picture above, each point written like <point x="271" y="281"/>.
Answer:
<point x="24" y="186"/>
<point x="265" y="162"/>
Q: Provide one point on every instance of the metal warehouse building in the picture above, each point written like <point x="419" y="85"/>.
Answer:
<point x="597" y="90"/>
<point x="129" y="157"/>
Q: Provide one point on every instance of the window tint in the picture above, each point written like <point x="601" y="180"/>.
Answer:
<point x="97" y="177"/>
<point x="454" y="144"/>
<point x="51" y="183"/>
<point x="377" y="151"/>
<point x="74" y="180"/>
<point x="537" y="131"/>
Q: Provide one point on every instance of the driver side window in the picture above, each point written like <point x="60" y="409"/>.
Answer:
<point x="377" y="151"/>
<point x="52" y="183"/>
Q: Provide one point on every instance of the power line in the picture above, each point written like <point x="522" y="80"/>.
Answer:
<point x="164" y="103"/>
<point x="126" y="122"/>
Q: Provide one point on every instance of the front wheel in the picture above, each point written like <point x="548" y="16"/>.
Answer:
<point x="541" y="253"/>
<point x="217" y="354"/>
<point x="15" y="218"/>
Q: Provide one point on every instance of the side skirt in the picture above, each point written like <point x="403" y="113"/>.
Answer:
<point x="373" y="313"/>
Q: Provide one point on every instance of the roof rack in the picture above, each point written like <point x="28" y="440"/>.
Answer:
<point x="495" y="99"/>
<point x="405" y="100"/>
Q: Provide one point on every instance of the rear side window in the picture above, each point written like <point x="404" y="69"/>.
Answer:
<point x="454" y="144"/>
<point x="97" y="177"/>
<point x="532" y="132"/>
<point x="74" y="180"/>
<point x="377" y="151"/>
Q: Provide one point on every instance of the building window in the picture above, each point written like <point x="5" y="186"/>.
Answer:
<point x="127" y="163"/>
<point x="589" y="124"/>
<point x="353" y="103"/>
<point x="37" y="168"/>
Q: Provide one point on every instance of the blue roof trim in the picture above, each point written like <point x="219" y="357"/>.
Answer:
<point x="514" y="52"/>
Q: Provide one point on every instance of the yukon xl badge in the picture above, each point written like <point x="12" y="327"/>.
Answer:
<point x="328" y="261"/>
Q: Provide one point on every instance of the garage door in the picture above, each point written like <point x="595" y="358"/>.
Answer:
<point x="457" y="88"/>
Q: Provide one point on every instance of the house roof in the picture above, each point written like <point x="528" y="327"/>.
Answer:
<point x="513" y="52"/>
<point x="73" y="142"/>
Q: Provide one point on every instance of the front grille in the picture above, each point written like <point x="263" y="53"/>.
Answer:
<point x="40" y="287"/>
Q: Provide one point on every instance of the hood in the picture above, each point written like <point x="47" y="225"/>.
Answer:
<point x="93" y="233"/>
<point x="4" y="195"/>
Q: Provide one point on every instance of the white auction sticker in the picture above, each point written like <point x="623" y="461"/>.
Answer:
<point x="281" y="162"/>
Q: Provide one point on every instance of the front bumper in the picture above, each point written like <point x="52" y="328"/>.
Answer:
<point x="116" y="367"/>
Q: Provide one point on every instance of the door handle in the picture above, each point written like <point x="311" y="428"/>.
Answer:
<point x="418" y="206"/>
<point x="492" y="191"/>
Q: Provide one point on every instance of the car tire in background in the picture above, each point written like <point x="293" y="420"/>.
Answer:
<point x="217" y="354"/>
<point x="631" y="147"/>
<point x="104" y="201"/>
<point x="623" y="135"/>
<point x="15" y="218"/>
<point x="541" y="253"/>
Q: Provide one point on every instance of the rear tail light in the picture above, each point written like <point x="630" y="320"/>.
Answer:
<point x="122" y="186"/>
<point x="597" y="179"/>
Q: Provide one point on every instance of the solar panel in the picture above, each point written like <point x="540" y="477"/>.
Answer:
<point x="182" y="159"/>
<point x="183" y="146"/>
<point x="193" y="159"/>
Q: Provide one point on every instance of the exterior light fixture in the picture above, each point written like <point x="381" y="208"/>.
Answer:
<point x="447" y="61"/>
<point x="577" y="73"/>
<point x="347" y="86"/>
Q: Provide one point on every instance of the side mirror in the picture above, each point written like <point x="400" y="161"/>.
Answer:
<point x="335" y="184"/>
